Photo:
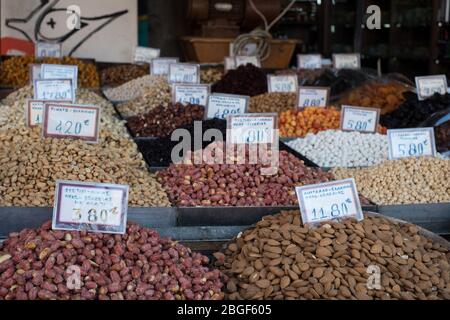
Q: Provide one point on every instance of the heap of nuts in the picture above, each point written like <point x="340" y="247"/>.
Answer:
<point x="247" y="80"/>
<point x="299" y="122"/>
<point x="272" y="102"/>
<point x="119" y="74"/>
<point x="149" y="84"/>
<point x="405" y="181"/>
<point x="225" y="183"/>
<point x="157" y="94"/>
<point x="161" y="121"/>
<point x="281" y="259"/>
<point x="211" y="75"/>
<point x="15" y="70"/>
<point x="387" y="96"/>
<point x="139" y="265"/>
<point x="30" y="165"/>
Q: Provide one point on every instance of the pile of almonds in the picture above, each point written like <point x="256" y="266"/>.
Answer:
<point x="279" y="258"/>
<point x="41" y="264"/>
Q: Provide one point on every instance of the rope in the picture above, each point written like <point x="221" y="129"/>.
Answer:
<point x="258" y="36"/>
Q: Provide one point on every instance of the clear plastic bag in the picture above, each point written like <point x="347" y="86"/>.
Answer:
<point x="440" y="121"/>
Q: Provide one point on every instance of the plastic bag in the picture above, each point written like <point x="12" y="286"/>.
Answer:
<point x="440" y="121"/>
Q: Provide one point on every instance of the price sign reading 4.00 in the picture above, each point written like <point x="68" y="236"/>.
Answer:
<point x="184" y="73"/>
<point x="415" y="142"/>
<point x="429" y="85"/>
<point x="312" y="97"/>
<point x="328" y="201"/>
<point x="95" y="207"/>
<point x="359" y="119"/>
<point x="71" y="121"/>
<point x="256" y="128"/>
<point x="288" y="83"/>
<point x="221" y="105"/>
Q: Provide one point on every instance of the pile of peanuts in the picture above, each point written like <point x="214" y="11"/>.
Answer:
<point x="120" y="74"/>
<point x="405" y="181"/>
<point x="30" y="165"/>
<point x="149" y="85"/>
<point x="299" y="122"/>
<point x="139" y="265"/>
<point x="162" y="121"/>
<point x="272" y="102"/>
<point x="15" y="70"/>
<point x="211" y="75"/>
<point x="226" y="184"/>
<point x="279" y="258"/>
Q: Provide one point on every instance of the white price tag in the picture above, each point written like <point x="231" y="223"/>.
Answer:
<point x="329" y="201"/>
<point x="60" y="71"/>
<point x="347" y="61"/>
<point x="230" y="63"/>
<point x="313" y="97"/>
<point x="429" y="85"/>
<point x="359" y="119"/>
<point x="184" y="73"/>
<point x="414" y="142"/>
<point x="254" y="128"/>
<point x="34" y="112"/>
<point x="287" y="83"/>
<point x="54" y="89"/>
<point x="46" y="49"/>
<point x="309" y="61"/>
<point x="221" y="105"/>
<point x="190" y="93"/>
<point x="94" y="207"/>
<point x="243" y="60"/>
<point x="34" y="73"/>
<point x="145" y="54"/>
<point x="71" y="121"/>
<point x="160" y="66"/>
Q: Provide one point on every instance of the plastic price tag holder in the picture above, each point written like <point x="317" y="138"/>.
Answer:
<point x="190" y="93"/>
<point x="255" y="128"/>
<point x="359" y="119"/>
<point x="243" y="60"/>
<point x="184" y="73"/>
<point x="54" y="89"/>
<point x="47" y="49"/>
<point x="229" y="63"/>
<point x="347" y="61"/>
<point x="94" y="207"/>
<point x="312" y="96"/>
<point x="221" y="105"/>
<point x="160" y="66"/>
<point x="71" y="121"/>
<point x="60" y="71"/>
<point x="282" y="83"/>
<point x="309" y="61"/>
<point x="427" y="86"/>
<point x="329" y="201"/>
<point x="34" y="112"/>
<point x="414" y="142"/>
<point x="145" y="54"/>
<point x="34" y="72"/>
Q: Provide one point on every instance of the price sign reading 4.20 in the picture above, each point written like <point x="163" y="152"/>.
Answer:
<point x="359" y="119"/>
<point x="429" y="85"/>
<point x="313" y="97"/>
<point x="256" y="128"/>
<point x="328" y="201"/>
<point x="221" y="105"/>
<point x="95" y="207"/>
<point x="71" y="121"/>
<point x="415" y="142"/>
<point x="287" y="83"/>
<point x="184" y="73"/>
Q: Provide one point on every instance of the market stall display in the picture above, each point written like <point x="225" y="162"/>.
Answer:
<point x="279" y="258"/>
<point x="117" y="75"/>
<point x="15" y="70"/>
<point x="272" y="102"/>
<point x="247" y="80"/>
<point x="139" y="265"/>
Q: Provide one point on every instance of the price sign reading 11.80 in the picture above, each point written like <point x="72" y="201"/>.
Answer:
<point x="415" y="142"/>
<point x="95" y="207"/>
<point x="359" y="119"/>
<point x="256" y="128"/>
<point x="328" y="201"/>
<point x="71" y="121"/>
<point x="221" y="105"/>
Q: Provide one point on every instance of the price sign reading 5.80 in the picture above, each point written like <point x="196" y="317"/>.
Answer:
<point x="328" y="201"/>
<point x="96" y="207"/>
<point x="222" y="105"/>
<point x="416" y="142"/>
<point x="252" y="128"/>
<point x="359" y="119"/>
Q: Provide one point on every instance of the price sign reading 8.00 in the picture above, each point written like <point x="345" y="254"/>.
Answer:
<point x="328" y="201"/>
<point x="184" y="73"/>
<point x="97" y="207"/>
<point x="415" y="142"/>
<point x="254" y="128"/>
<point x="222" y="105"/>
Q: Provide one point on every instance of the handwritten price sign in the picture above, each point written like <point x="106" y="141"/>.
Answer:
<point x="190" y="93"/>
<point x="415" y="142"/>
<point x="288" y="83"/>
<point x="145" y="54"/>
<point x="46" y="49"/>
<point x="309" y="61"/>
<point x="222" y="105"/>
<point x="359" y="119"/>
<point x="184" y="73"/>
<point x="95" y="207"/>
<point x="34" y="112"/>
<point x="48" y="89"/>
<point x="160" y="66"/>
<point x="429" y="85"/>
<point x="60" y="71"/>
<point x="313" y="96"/>
<point x="347" y="61"/>
<point x="252" y="128"/>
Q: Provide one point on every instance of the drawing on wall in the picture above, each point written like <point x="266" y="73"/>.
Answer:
<point x="47" y="20"/>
